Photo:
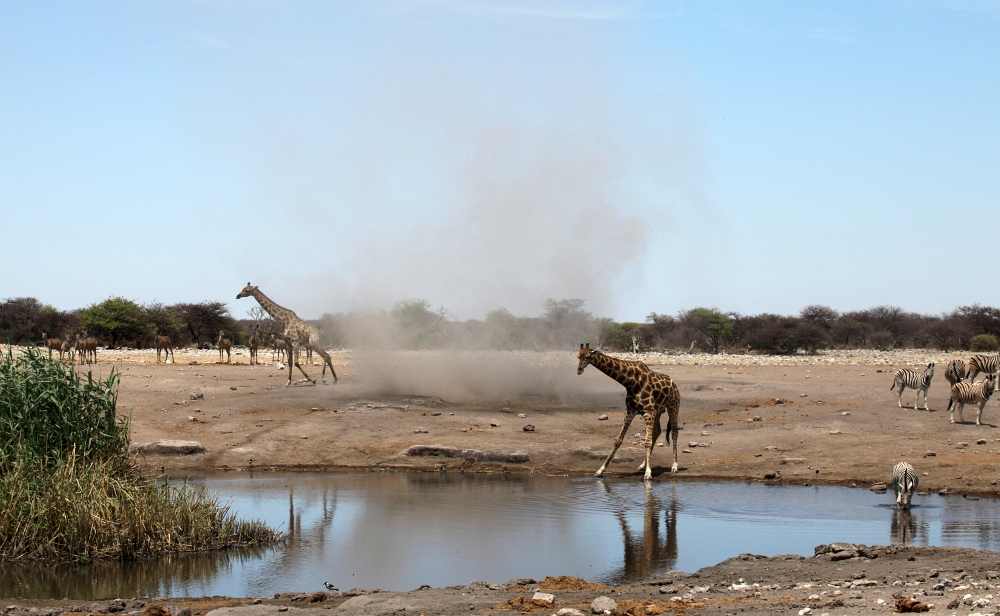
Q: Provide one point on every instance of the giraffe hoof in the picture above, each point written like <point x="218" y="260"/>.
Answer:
<point x="673" y="469"/>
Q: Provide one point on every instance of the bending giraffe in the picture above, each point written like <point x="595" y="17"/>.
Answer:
<point x="297" y="333"/>
<point x="646" y="392"/>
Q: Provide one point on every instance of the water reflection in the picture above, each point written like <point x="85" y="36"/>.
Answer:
<point x="163" y="576"/>
<point x="400" y="530"/>
<point x="906" y="528"/>
<point x="651" y="551"/>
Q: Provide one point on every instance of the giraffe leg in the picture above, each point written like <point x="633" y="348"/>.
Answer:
<point x="288" y="353"/>
<point x="327" y="361"/>
<point x="652" y="432"/>
<point x="301" y="369"/>
<point x="672" y="430"/>
<point x="629" y="415"/>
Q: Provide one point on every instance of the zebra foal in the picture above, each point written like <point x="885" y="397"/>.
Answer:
<point x="955" y="372"/>
<point x="987" y="364"/>
<point x="908" y="378"/>
<point x="904" y="483"/>
<point x="975" y="393"/>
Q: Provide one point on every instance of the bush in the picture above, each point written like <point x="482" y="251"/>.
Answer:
<point x="71" y="490"/>
<point x="983" y="342"/>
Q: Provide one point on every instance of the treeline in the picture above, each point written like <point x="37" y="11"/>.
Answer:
<point x="415" y="324"/>
<point x="119" y="322"/>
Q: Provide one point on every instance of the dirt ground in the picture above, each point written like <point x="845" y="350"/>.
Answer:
<point x="839" y="579"/>
<point x="806" y="419"/>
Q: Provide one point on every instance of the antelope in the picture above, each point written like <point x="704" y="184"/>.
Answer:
<point x="165" y="344"/>
<point x="226" y="345"/>
<point x="53" y="344"/>
<point x="253" y="343"/>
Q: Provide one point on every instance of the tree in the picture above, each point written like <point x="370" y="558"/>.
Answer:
<point x="204" y="320"/>
<point x="17" y="320"/>
<point x="711" y="324"/>
<point x="823" y="316"/>
<point x="164" y="319"/>
<point x="115" y="320"/>
<point x="502" y="329"/>
<point x="567" y="323"/>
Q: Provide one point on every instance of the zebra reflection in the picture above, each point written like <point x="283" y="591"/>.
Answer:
<point x="906" y="529"/>
<point x="655" y="549"/>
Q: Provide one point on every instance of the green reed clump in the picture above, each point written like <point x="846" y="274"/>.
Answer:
<point x="71" y="491"/>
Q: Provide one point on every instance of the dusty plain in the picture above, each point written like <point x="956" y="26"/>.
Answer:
<point x="827" y="418"/>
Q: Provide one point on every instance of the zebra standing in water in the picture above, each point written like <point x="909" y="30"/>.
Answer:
<point x="955" y="371"/>
<point x="978" y="393"/>
<point x="904" y="483"/>
<point x="987" y="364"/>
<point x="908" y="378"/>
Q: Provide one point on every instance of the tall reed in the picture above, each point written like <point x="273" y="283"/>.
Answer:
<point x="71" y="491"/>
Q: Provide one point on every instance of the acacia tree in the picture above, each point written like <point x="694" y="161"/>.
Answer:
<point x="115" y="320"/>
<point x="711" y="324"/>
<point x="205" y="319"/>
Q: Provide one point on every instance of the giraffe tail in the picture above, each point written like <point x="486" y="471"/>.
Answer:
<point x="668" y="430"/>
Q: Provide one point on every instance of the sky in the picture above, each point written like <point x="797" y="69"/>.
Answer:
<point x="645" y="157"/>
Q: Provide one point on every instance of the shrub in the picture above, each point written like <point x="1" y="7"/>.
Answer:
<point x="69" y="487"/>
<point x="983" y="342"/>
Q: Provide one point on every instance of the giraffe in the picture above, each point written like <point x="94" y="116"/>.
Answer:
<point x="253" y="343"/>
<point x="224" y="344"/>
<point x="646" y="392"/>
<point x="296" y="332"/>
<point x="165" y="344"/>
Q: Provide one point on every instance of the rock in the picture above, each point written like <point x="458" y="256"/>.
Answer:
<point x="692" y="444"/>
<point x="774" y="475"/>
<point x="879" y="487"/>
<point x="528" y="428"/>
<point x="668" y="590"/>
<point x="803" y="395"/>
<point x="168" y="447"/>
<point x="929" y="454"/>
<point x="436" y="414"/>
<point x="521" y="415"/>
<point x="954" y="604"/>
<point x="792" y="461"/>
<point x="420" y="431"/>
<point x="197" y="396"/>
<point x="254" y="610"/>
<point x="232" y="387"/>
<point x="543" y="599"/>
<point x="569" y="611"/>
<point x="961" y="445"/>
<point x="685" y="451"/>
<point x="494" y="424"/>
<point x="705" y="433"/>
<point x="845" y="413"/>
<point x="602" y="418"/>
<point x="603" y="605"/>
<point x="444" y="451"/>
<point x="506" y="410"/>
<point x="835" y="432"/>
<point x="981" y="441"/>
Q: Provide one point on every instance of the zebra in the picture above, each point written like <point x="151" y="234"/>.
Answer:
<point x="987" y="364"/>
<point x="978" y="393"/>
<point x="904" y="483"/>
<point x="955" y="371"/>
<point x="908" y="378"/>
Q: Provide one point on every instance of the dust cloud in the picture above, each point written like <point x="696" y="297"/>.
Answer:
<point x="474" y="377"/>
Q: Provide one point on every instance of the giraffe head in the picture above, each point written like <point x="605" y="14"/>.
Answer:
<point x="586" y="356"/>
<point x="247" y="291"/>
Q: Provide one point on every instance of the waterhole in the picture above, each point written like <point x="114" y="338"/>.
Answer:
<point x="396" y="531"/>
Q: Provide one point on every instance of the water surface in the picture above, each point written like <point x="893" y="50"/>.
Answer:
<point x="397" y="531"/>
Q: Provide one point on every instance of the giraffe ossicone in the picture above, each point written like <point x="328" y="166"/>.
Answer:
<point x="647" y="393"/>
<point x="296" y="333"/>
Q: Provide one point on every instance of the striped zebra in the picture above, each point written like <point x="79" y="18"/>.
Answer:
<point x="987" y="364"/>
<point x="955" y="372"/>
<point x="908" y="378"/>
<point x="969" y="392"/>
<point x="904" y="483"/>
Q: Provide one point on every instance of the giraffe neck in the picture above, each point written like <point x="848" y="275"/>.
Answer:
<point x="615" y="368"/>
<point x="278" y="313"/>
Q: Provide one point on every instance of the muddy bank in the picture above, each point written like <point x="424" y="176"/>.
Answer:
<point x="840" y="578"/>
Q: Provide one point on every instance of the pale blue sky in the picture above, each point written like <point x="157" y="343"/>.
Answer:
<point x="754" y="156"/>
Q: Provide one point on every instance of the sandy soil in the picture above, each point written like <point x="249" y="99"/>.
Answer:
<point x="807" y="419"/>
<point x="840" y="579"/>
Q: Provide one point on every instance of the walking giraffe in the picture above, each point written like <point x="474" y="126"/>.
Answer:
<point x="296" y="332"/>
<point x="646" y="392"/>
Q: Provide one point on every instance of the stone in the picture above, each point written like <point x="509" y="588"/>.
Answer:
<point x="543" y="599"/>
<point x="961" y="445"/>
<point x="420" y="431"/>
<point x="506" y="410"/>
<point x="668" y="590"/>
<point x="197" y="396"/>
<point x="569" y="611"/>
<point x="521" y="415"/>
<point x="929" y="454"/>
<point x="792" y="461"/>
<point x="528" y="428"/>
<point x="232" y="387"/>
<point x="191" y="418"/>
<point x="168" y="447"/>
<point x="254" y="610"/>
<point x="603" y="605"/>
<point x="445" y="451"/>
<point x="981" y="441"/>
<point x="602" y="418"/>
